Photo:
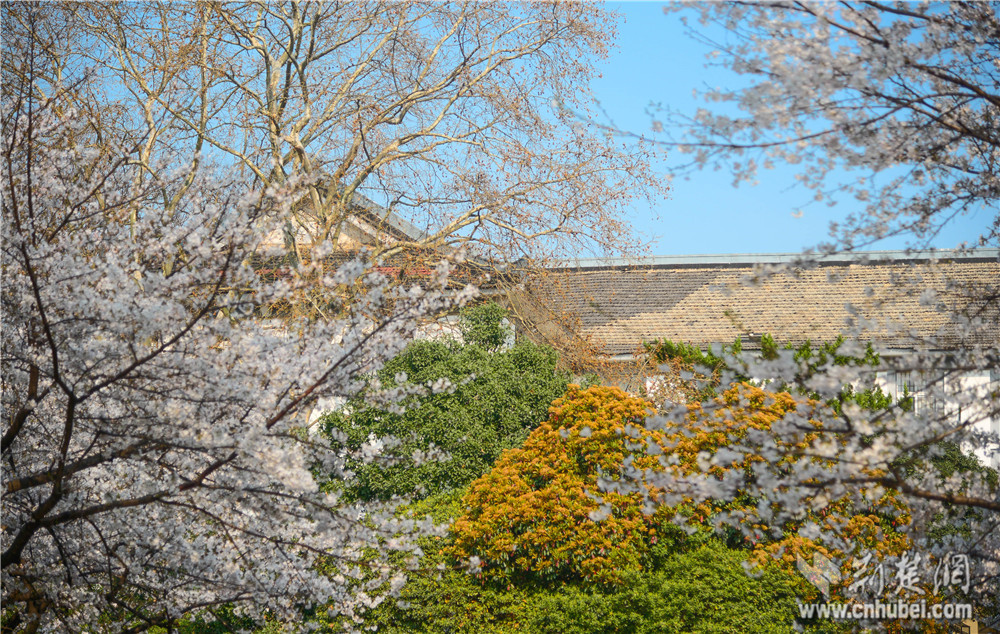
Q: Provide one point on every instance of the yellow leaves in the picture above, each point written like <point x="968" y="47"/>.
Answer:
<point x="787" y="552"/>
<point x="540" y="498"/>
<point x="740" y="408"/>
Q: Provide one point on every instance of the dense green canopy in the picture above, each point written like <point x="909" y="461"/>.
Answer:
<point x="498" y="398"/>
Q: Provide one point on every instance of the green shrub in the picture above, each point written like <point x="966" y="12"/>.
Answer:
<point x="703" y="589"/>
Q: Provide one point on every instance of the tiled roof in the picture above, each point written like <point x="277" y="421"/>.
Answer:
<point x="894" y="303"/>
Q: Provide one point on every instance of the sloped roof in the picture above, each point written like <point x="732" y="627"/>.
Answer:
<point x="368" y="224"/>
<point x="894" y="298"/>
<point x="387" y="220"/>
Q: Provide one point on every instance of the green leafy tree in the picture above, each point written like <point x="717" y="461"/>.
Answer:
<point x="497" y="399"/>
<point x="484" y="325"/>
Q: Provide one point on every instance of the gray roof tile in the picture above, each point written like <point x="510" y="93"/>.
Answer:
<point x="619" y="307"/>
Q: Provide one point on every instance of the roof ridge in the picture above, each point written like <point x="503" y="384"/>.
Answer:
<point x="736" y="259"/>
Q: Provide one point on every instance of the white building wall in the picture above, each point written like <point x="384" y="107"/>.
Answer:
<point x="964" y="398"/>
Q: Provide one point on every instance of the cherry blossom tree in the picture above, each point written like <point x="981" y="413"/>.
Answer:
<point x="154" y="462"/>
<point x="903" y="98"/>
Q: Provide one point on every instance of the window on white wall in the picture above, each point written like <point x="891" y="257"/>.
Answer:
<point x="914" y="385"/>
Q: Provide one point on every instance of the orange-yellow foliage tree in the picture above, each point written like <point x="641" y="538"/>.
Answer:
<point x="532" y="516"/>
<point x="541" y="514"/>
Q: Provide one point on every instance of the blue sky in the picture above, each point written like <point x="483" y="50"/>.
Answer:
<point x="657" y="62"/>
